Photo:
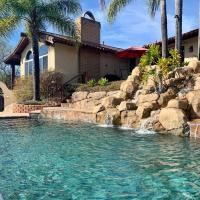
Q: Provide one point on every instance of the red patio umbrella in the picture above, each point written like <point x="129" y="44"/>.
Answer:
<point x="132" y="52"/>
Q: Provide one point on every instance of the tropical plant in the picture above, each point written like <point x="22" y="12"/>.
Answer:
<point x="174" y="59"/>
<point x="103" y="82"/>
<point x="116" y="5"/>
<point x="178" y="16"/>
<point x="151" y="57"/>
<point x="91" y="83"/>
<point x="35" y="15"/>
<point x="5" y="72"/>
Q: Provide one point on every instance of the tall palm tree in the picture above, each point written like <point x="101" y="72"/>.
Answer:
<point x="178" y="16"/>
<point x="116" y="5"/>
<point x="36" y="15"/>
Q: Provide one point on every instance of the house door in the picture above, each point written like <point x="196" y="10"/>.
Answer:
<point x="132" y="64"/>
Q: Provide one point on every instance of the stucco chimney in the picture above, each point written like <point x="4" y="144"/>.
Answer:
<point x="88" y="28"/>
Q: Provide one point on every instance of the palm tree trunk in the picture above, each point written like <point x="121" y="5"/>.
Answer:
<point x="164" y="31"/>
<point x="199" y="35"/>
<point x="179" y="14"/>
<point x="36" y="67"/>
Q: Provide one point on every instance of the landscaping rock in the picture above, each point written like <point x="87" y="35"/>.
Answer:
<point x="144" y="111"/>
<point x="130" y="119"/>
<point x="128" y="87"/>
<point x="98" y="109"/>
<point x="111" y="102"/>
<point x="179" y="104"/>
<point x="78" y="96"/>
<point x="147" y="98"/>
<point x="96" y="95"/>
<point x="110" y="116"/>
<point x="165" y="98"/>
<point x="112" y="93"/>
<point x="194" y="65"/>
<point x="120" y="95"/>
<point x="134" y="79"/>
<point x="197" y="84"/>
<point x="124" y="105"/>
<point x="172" y="119"/>
<point x="193" y="98"/>
<point x="136" y="72"/>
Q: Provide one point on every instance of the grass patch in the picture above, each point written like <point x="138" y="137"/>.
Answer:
<point x="112" y="86"/>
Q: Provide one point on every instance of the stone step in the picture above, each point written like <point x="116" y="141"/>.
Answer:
<point x="68" y="114"/>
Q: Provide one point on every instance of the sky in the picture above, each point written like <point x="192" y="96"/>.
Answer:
<point x="133" y="25"/>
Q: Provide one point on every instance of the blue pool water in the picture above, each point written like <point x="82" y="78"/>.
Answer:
<point x="49" y="160"/>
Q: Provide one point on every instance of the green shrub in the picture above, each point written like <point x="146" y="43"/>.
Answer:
<point x="151" y="57"/>
<point x="50" y="87"/>
<point x="91" y="83"/>
<point x="103" y="82"/>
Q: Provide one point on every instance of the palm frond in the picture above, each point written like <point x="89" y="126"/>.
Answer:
<point x="153" y="6"/>
<point x="8" y="25"/>
<point x="114" y="7"/>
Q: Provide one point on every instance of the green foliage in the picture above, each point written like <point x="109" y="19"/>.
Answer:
<point x="50" y="87"/>
<point x="151" y="57"/>
<point x="91" y="83"/>
<point x="103" y="81"/>
<point x="164" y="66"/>
<point x="174" y="59"/>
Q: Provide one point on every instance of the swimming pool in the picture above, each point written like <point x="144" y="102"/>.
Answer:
<point x="54" y="160"/>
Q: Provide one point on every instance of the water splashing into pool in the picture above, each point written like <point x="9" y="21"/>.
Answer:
<point x="48" y="160"/>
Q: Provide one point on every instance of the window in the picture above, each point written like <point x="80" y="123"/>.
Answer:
<point x="43" y="56"/>
<point x="191" y="49"/>
<point x="29" y="64"/>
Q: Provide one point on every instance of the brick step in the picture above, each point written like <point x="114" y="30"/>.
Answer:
<point x="68" y="114"/>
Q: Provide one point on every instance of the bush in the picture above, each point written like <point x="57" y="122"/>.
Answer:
<point x="103" y="81"/>
<point x="50" y="87"/>
<point x="23" y="89"/>
<point x="91" y="83"/>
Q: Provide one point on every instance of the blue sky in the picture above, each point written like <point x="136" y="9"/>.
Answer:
<point x="133" y="26"/>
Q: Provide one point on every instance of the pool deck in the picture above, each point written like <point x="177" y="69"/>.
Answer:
<point x="9" y="115"/>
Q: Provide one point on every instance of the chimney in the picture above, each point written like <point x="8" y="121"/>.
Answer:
<point x="88" y="28"/>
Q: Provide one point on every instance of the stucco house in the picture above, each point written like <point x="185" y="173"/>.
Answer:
<point x="88" y="56"/>
<point x="189" y="44"/>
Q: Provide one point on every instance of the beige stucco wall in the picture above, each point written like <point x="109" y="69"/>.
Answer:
<point x="66" y="60"/>
<point x="51" y="58"/>
<point x="187" y="44"/>
<point x="110" y="64"/>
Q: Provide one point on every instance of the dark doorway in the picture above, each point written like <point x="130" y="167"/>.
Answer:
<point x="132" y="64"/>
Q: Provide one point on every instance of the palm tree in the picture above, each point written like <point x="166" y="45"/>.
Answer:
<point x="116" y="5"/>
<point x="35" y="15"/>
<point x="178" y="16"/>
<point x="199" y="35"/>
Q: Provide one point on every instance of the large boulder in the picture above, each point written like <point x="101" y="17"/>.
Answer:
<point x="197" y="84"/>
<point x="173" y="119"/>
<point x="179" y="104"/>
<point x="194" y="65"/>
<point x="193" y="98"/>
<point x="136" y="72"/>
<point x="98" y="108"/>
<point x="144" y="110"/>
<point x="96" y="95"/>
<point x="78" y="96"/>
<point x="120" y="95"/>
<point x="130" y="119"/>
<point x="124" y="105"/>
<point x="166" y="97"/>
<point x="110" y="116"/>
<point x="147" y="98"/>
<point x="128" y="87"/>
<point x="111" y="102"/>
